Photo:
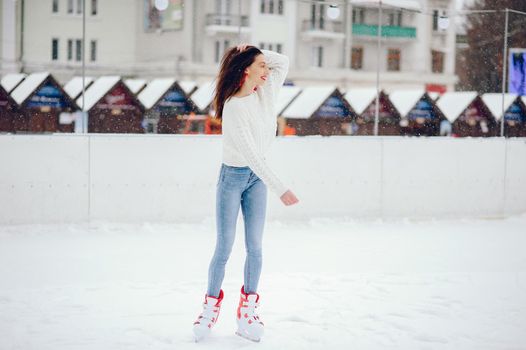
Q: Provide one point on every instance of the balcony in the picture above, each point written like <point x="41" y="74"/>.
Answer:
<point x="390" y="32"/>
<point x="225" y="23"/>
<point x="322" y="29"/>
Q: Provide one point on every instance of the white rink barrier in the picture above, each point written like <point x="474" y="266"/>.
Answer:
<point x="172" y="178"/>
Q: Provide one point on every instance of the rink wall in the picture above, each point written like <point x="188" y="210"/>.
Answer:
<point x="172" y="178"/>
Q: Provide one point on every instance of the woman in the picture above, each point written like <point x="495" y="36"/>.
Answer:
<point x="246" y="91"/>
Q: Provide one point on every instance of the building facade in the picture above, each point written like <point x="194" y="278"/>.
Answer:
<point x="133" y="38"/>
<point x="10" y="36"/>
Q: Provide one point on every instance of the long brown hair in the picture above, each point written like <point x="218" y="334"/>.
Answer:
<point x="232" y="75"/>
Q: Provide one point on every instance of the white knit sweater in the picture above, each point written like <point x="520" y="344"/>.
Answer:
<point x="249" y="124"/>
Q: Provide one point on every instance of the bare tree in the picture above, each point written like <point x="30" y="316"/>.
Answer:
<point x="479" y="66"/>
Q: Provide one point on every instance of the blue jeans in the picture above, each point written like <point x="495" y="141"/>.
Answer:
<point x="238" y="187"/>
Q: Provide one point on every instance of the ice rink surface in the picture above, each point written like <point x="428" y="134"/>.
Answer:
<point x="326" y="284"/>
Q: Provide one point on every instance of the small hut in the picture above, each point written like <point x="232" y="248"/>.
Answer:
<point x="9" y="112"/>
<point x="10" y="81"/>
<point x="42" y="102"/>
<point x="188" y="86"/>
<point x="318" y="110"/>
<point x="202" y="120"/>
<point x="514" y="113"/>
<point x="112" y="107"/>
<point x="419" y="115"/>
<point x="433" y="95"/>
<point x="468" y="114"/>
<point x="74" y="87"/>
<point x="166" y="105"/>
<point x="363" y="103"/>
<point x="286" y="95"/>
<point x="135" y="85"/>
<point x="202" y="97"/>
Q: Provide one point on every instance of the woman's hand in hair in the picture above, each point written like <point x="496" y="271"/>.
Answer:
<point x="242" y="47"/>
<point x="288" y="198"/>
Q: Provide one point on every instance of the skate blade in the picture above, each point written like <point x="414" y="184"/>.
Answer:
<point x="200" y="337"/>
<point x="197" y="339"/>
<point x="247" y="337"/>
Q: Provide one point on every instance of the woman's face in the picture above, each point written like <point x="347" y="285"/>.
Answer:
<point x="258" y="71"/>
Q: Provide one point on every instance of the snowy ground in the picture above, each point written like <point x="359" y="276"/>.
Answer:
<point x="325" y="285"/>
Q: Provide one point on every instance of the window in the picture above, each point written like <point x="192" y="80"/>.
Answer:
<point x="222" y="7"/>
<point x="393" y="59"/>
<point x="271" y="6"/>
<point x="317" y="18"/>
<point x="76" y="6"/>
<point x="70" y="49"/>
<point x="357" y="58"/>
<point x="93" y="50"/>
<point x="55" y="6"/>
<point x="437" y="14"/>
<point x="219" y="50"/>
<point x="317" y="56"/>
<point x="270" y="46"/>
<point x="78" y="51"/>
<point x="358" y="15"/>
<point x="321" y="18"/>
<point x="437" y="61"/>
<point x="54" y="49"/>
<point x="395" y="18"/>
<point x="93" y="7"/>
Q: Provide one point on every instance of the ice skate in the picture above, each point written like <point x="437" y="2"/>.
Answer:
<point x="248" y="322"/>
<point x="208" y="318"/>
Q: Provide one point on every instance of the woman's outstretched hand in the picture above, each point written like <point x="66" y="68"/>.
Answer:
<point x="288" y="198"/>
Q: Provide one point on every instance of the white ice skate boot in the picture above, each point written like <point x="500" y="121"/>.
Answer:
<point x="248" y="322"/>
<point x="208" y="318"/>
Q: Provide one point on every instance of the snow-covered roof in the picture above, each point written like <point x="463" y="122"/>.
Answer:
<point x="360" y="99"/>
<point x="405" y="100"/>
<point x="135" y="85"/>
<point x="97" y="90"/>
<point x="404" y="4"/>
<point x="204" y="95"/>
<point x="154" y="91"/>
<point x="286" y="95"/>
<point x="10" y="81"/>
<point x="494" y="102"/>
<point x="308" y="101"/>
<point x="187" y="86"/>
<point x="74" y="87"/>
<point x="28" y="86"/>
<point x="434" y="95"/>
<point x="452" y="104"/>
